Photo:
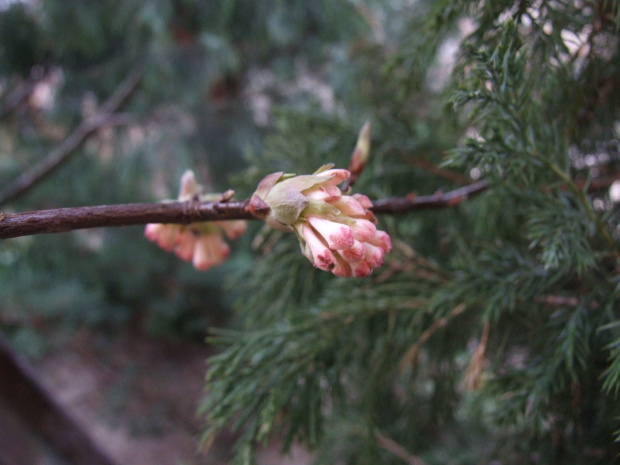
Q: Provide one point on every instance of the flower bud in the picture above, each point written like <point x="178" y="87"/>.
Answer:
<point x="336" y="232"/>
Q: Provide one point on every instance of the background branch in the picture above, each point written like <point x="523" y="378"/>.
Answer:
<point x="61" y="153"/>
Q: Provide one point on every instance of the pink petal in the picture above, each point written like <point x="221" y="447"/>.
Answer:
<point x="164" y="235"/>
<point x="363" y="200"/>
<point x="342" y="268"/>
<point x="234" y="228"/>
<point x="320" y="192"/>
<point x="322" y="257"/>
<point x="336" y="176"/>
<point x="338" y="236"/>
<point x="382" y="240"/>
<point x="186" y="244"/>
<point x="355" y="253"/>
<point x="361" y="269"/>
<point x="373" y="256"/>
<point x="210" y="250"/>
<point x="363" y="230"/>
<point x="349" y="206"/>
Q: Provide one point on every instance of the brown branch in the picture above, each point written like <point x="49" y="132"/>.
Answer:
<point x="69" y="219"/>
<point x="399" y="451"/>
<point x="62" y="152"/>
<point x="399" y="205"/>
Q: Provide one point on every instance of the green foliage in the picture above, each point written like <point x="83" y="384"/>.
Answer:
<point x="491" y="333"/>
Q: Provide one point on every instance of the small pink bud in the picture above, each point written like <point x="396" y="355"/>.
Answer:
<point x="363" y="230"/>
<point x="164" y="235"/>
<point x="233" y="228"/>
<point x="342" y="268"/>
<point x="349" y="206"/>
<point x="361" y="269"/>
<point x="189" y="186"/>
<point x="373" y="256"/>
<point x="355" y="253"/>
<point x="322" y="192"/>
<point x="338" y="236"/>
<point x="322" y="257"/>
<point x="363" y="200"/>
<point x="336" y="176"/>
<point x="382" y="240"/>
<point x="210" y="250"/>
<point x="186" y="243"/>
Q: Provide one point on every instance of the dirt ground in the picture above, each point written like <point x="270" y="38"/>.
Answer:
<point x="137" y="398"/>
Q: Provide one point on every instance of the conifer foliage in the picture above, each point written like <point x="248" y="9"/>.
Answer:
<point x="491" y="334"/>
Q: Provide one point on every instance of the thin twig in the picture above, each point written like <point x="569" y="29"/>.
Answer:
<point x="62" y="152"/>
<point x="399" y="451"/>
<point x="399" y="205"/>
<point x="13" y="99"/>
<point x="69" y="219"/>
<point x="412" y="353"/>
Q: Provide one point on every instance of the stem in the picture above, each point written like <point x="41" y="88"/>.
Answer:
<point x="69" y="219"/>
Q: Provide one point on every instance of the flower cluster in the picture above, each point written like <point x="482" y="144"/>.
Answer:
<point x="337" y="232"/>
<point x="199" y="243"/>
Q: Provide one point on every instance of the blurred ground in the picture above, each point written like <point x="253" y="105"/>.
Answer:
<point x="137" y="398"/>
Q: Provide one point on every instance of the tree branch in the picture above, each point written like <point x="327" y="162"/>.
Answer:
<point x="399" y="205"/>
<point x="69" y="219"/>
<point x="62" y="152"/>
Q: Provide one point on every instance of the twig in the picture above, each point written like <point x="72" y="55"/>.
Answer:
<point x="399" y="205"/>
<point x="399" y="451"/>
<point x="62" y="152"/>
<point x="412" y="353"/>
<point x="20" y="93"/>
<point x="69" y="219"/>
<point x="473" y="374"/>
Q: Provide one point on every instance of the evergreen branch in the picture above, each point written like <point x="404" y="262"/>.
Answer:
<point x="63" y="151"/>
<point x="69" y="219"/>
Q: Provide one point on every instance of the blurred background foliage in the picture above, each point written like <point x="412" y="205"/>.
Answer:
<point x="490" y="336"/>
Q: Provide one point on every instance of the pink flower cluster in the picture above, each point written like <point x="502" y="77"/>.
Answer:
<point x="201" y="244"/>
<point x="348" y="244"/>
<point x="337" y="232"/>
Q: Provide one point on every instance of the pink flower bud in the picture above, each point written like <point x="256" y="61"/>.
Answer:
<point x="361" y="269"/>
<point x="373" y="256"/>
<point x="382" y="240"/>
<point x="336" y="176"/>
<point x="322" y="257"/>
<point x="164" y="235"/>
<point x="186" y="243"/>
<point x="200" y="243"/>
<point x="363" y="230"/>
<point x="337" y="232"/>
<point x="338" y="236"/>
<point x="349" y="206"/>
<point x="363" y="201"/>
<point x="355" y="253"/>
<point x="233" y="229"/>
<point x="210" y="250"/>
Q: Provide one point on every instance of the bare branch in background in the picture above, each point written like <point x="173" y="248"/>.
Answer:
<point x="61" y="153"/>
